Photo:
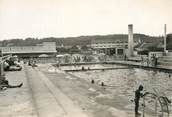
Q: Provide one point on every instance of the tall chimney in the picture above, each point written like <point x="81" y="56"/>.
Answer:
<point x="130" y="40"/>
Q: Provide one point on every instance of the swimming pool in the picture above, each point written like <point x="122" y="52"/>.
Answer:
<point x="124" y="82"/>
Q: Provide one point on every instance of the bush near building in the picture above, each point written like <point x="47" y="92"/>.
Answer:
<point x="169" y="42"/>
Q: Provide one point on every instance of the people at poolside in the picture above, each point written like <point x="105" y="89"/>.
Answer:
<point x="142" y="62"/>
<point x="156" y="61"/>
<point x="125" y="57"/>
<point x="147" y="60"/>
<point x="152" y="60"/>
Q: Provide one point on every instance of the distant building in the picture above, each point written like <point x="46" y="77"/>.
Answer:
<point x="110" y="46"/>
<point x="48" y="48"/>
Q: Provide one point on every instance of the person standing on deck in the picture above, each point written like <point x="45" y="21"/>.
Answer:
<point x="156" y="61"/>
<point x="147" y="60"/>
<point x="142" y="60"/>
<point x="138" y="95"/>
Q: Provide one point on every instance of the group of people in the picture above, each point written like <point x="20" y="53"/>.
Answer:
<point x="152" y="60"/>
<point x="74" y="59"/>
<point x="83" y="58"/>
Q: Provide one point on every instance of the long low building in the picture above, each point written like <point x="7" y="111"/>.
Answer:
<point x="111" y="46"/>
<point x="48" y="48"/>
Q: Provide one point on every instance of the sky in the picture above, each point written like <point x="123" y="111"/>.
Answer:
<point x="70" y="18"/>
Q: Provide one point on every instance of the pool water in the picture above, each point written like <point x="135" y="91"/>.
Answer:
<point x="128" y="79"/>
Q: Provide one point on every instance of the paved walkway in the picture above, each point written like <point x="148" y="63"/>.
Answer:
<point x="49" y="100"/>
<point x="38" y="97"/>
<point x="17" y="102"/>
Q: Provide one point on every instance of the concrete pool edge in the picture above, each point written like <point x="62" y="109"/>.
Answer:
<point x="125" y="63"/>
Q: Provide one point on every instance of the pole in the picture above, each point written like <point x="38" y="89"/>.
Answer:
<point x="143" y="114"/>
<point x="1" y="66"/>
<point x="156" y="104"/>
<point x="165" y="43"/>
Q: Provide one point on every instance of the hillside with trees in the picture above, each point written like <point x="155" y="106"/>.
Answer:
<point x="81" y="40"/>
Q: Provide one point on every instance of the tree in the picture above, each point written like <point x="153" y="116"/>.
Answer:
<point x="84" y="47"/>
<point x="74" y="49"/>
<point x="169" y="42"/>
<point x="62" y="50"/>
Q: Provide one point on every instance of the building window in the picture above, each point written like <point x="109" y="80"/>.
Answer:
<point x="112" y="51"/>
<point x="120" y="51"/>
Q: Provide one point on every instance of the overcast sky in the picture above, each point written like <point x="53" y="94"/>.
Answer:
<point x="64" y="18"/>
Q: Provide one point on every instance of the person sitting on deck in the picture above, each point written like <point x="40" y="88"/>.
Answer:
<point x="138" y="95"/>
<point x="5" y="84"/>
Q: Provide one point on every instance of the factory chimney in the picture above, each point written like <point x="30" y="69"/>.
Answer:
<point x="130" y="40"/>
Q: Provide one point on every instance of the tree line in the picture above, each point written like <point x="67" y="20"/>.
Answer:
<point x="81" y="40"/>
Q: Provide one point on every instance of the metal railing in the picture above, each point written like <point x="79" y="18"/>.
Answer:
<point x="163" y="102"/>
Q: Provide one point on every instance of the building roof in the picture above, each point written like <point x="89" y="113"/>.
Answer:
<point x="146" y="46"/>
